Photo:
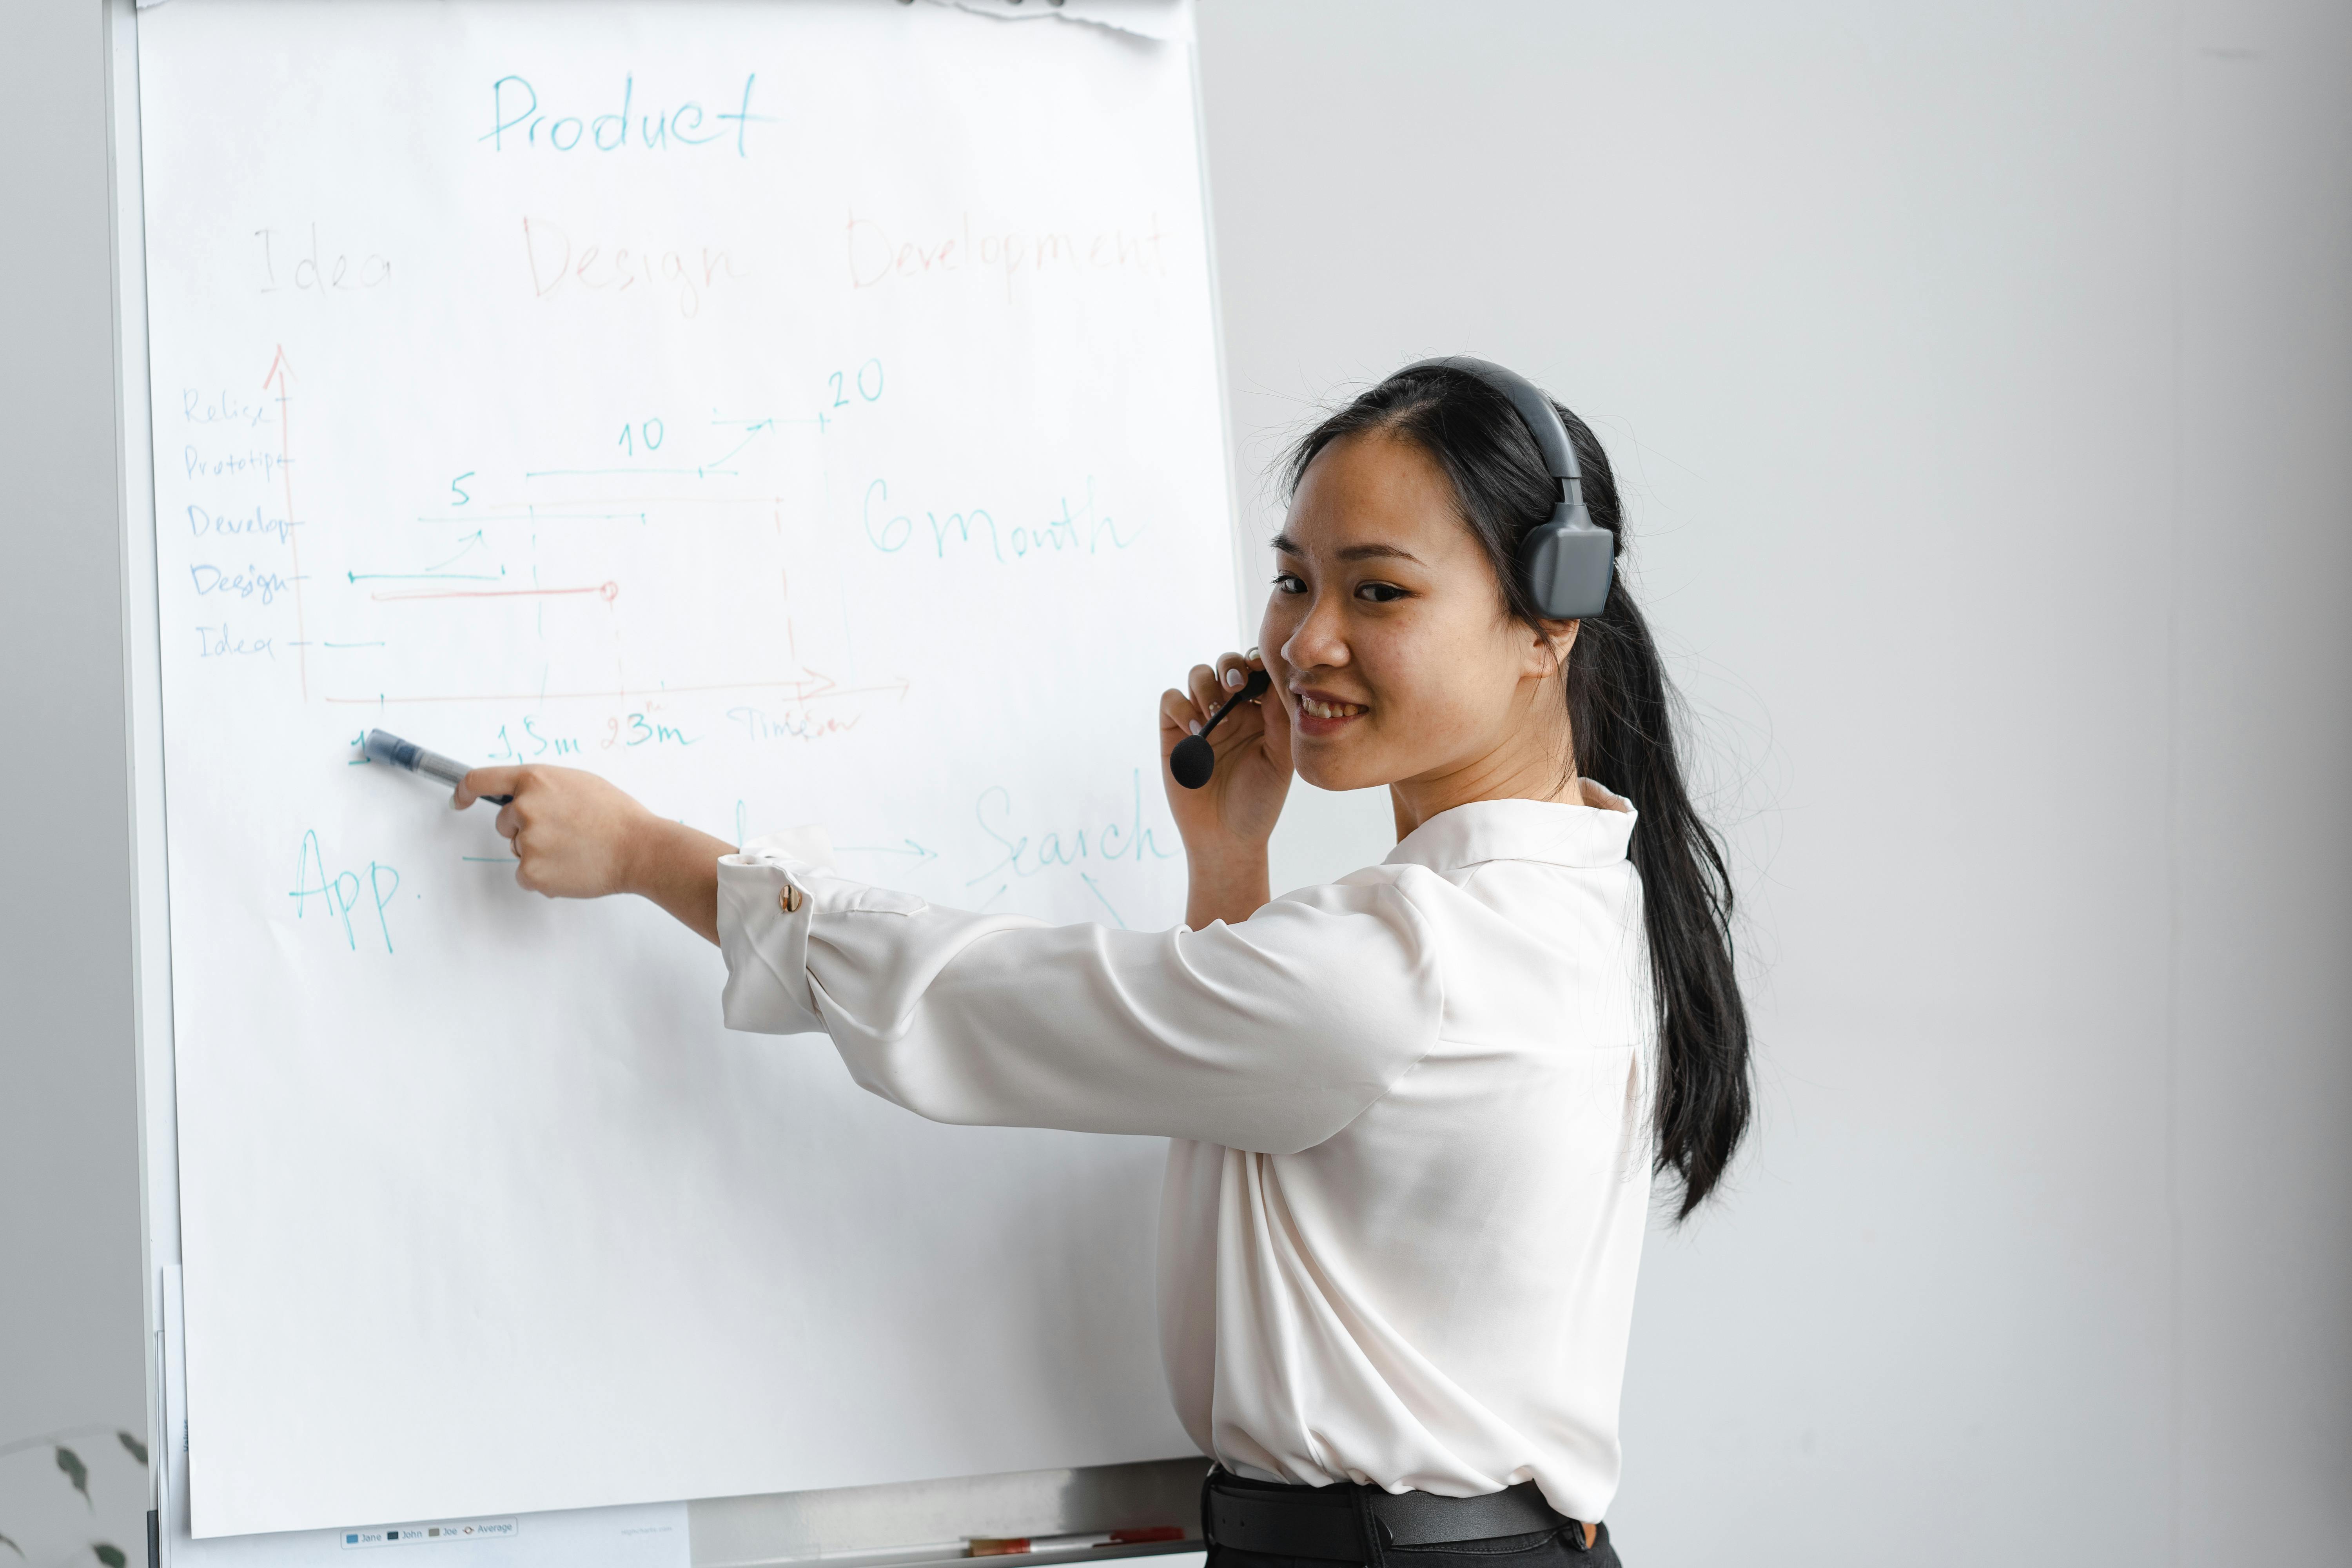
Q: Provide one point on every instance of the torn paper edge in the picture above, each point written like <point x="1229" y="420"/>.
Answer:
<point x="1162" y="21"/>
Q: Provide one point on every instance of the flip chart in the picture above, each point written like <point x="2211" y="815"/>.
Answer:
<point x="795" y="413"/>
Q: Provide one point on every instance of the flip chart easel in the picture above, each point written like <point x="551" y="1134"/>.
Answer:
<point x="798" y="412"/>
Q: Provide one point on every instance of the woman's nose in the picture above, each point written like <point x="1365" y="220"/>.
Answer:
<point x="1319" y="639"/>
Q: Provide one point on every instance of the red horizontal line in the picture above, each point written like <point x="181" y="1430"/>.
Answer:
<point x="609" y="590"/>
<point x="900" y="686"/>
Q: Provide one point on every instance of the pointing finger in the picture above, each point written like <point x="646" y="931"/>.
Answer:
<point x="482" y="781"/>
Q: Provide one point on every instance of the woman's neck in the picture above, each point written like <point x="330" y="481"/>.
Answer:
<point x="1415" y="801"/>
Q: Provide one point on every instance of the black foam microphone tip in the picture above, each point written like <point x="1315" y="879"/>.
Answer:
<point x="1193" y="761"/>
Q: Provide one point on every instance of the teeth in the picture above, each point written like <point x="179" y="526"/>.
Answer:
<point x="1331" y="710"/>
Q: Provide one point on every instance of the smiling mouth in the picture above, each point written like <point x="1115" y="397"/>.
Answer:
<point x="1317" y="709"/>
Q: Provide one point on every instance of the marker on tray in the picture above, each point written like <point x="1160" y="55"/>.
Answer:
<point x="1022" y="1545"/>
<point x="386" y="747"/>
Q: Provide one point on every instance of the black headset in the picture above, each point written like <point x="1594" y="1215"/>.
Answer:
<point x="1569" y="560"/>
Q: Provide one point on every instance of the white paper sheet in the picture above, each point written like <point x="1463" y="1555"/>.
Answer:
<point x="797" y="412"/>
<point x="646" y="1535"/>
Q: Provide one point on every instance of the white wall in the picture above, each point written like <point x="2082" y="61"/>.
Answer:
<point x="71" y="1319"/>
<point x="1979" y="376"/>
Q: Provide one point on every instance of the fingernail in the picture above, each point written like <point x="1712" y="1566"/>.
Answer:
<point x="1196" y="726"/>
<point x="1235" y="678"/>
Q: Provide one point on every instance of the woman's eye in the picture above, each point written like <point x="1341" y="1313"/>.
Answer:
<point x="1381" y="593"/>
<point x="1288" y="583"/>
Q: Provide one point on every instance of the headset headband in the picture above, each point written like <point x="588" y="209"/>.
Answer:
<point x="1569" y="561"/>
<point x="1536" y="413"/>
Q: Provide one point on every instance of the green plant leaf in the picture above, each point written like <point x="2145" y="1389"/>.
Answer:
<point x="76" y="1471"/>
<point x="138" y="1449"/>
<point x="12" y="1546"/>
<point x="110" y="1555"/>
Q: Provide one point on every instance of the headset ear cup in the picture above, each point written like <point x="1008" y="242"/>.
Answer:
<point x="1569" y="569"/>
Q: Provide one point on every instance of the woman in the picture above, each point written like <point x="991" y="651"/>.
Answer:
<point x="1415" y="1113"/>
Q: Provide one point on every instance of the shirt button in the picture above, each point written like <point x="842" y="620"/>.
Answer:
<point x="791" y="900"/>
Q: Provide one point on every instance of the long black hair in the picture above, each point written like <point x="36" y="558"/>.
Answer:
<point x="1623" y="712"/>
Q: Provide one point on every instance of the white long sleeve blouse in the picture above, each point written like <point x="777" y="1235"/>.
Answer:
<point x="1409" y="1114"/>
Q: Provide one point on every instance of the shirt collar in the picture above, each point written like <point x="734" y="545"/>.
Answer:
<point x="1593" y="834"/>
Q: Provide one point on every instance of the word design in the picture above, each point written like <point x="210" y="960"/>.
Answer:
<point x="677" y="275"/>
<point x="251" y="582"/>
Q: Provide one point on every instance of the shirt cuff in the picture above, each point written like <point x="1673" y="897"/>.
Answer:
<point x="764" y="910"/>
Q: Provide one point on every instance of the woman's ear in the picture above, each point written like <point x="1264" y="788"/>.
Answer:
<point x="1548" y="648"/>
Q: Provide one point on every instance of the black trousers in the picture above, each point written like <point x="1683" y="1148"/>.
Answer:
<point x="1561" y="1548"/>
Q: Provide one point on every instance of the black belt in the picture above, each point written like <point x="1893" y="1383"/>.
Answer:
<point x="1332" y="1522"/>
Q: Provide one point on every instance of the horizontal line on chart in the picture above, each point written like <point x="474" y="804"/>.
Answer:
<point x="598" y="473"/>
<point x="821" y="694"/>
<point x="547" y="517"/>
<point x="522" y="508"/>
<point x="609" y="590"/>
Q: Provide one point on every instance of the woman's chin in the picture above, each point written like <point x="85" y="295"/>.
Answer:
<point x="1333" y="765"/>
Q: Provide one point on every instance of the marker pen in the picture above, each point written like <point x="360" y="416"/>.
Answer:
<point x="386" y="747"/>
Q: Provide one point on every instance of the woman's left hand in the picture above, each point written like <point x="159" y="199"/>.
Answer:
<point x="1234" y="813"/>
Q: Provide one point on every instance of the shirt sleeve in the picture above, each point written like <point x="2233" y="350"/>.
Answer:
<point x="1268" y="1036"/>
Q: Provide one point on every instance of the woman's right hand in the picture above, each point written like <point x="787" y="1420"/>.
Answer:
<point x="1232" y="816"/>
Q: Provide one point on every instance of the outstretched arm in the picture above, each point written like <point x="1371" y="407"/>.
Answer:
<point x="1269" y="1034"/>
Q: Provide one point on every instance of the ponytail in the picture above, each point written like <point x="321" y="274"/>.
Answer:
<point x="1623" y="711"/>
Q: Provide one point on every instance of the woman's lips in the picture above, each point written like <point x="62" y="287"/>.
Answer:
<point x="1322" y="713"/>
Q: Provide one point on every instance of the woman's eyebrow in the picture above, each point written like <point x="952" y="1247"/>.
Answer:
<point x="1285" y="545"/>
